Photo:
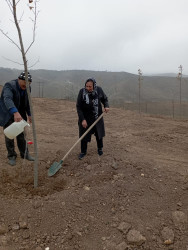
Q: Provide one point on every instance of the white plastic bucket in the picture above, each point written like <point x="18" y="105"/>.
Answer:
<point x="15" y="129"/>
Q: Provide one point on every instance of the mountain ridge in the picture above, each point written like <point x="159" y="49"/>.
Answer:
<point x="119" y="86"/>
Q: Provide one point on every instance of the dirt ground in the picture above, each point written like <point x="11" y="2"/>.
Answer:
<point x="135" y="196"/>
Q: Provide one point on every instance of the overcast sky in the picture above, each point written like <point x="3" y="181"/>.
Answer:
<point x="110" y="35"/>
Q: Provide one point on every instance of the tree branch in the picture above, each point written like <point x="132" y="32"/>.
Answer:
<point x="10" y="5"/>
<point x="12" y="61"/>
<point x="34" y="64"/>
<point x="34" y="26"/>
<point x="10" y="39"/>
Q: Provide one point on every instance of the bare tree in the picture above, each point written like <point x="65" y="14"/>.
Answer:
<point x="32" y="5"/>
<point x="139" y="88"/>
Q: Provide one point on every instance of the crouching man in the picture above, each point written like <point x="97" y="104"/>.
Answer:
<point x="14" y="106"/>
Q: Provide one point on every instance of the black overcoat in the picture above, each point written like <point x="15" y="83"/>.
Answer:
<point x="85" y="112"/>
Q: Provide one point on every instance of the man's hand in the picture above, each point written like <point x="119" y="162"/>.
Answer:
<point x="84" y="124"/>
<point x="17" y="117"/>
<point x="106" y="110"/>
<point x="29" y="119"/>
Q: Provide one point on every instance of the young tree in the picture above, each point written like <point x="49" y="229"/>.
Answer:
<point x="179" y="77"/>
<point x="32" y="5"/>
<point x="139" y="88"/>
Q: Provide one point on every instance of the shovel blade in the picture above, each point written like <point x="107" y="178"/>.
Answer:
<point x="54" y="168"/>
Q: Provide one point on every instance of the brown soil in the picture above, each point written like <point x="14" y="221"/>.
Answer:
<point x="135" y="196"/>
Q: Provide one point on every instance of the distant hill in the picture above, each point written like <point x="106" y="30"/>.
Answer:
<point x="119" y="86"/>
<point x="166" y="74"/>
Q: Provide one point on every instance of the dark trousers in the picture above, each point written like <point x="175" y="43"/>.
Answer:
<point x="21" y="142"/>
<point x="84" y="144"/>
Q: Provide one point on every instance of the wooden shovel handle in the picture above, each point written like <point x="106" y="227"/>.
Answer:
<point x="83" y="136"/>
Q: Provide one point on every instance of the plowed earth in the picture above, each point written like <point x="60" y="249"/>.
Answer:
<point x="135" y="196"/>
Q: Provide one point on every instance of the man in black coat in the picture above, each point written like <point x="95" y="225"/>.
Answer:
<point x="14" y="106"/>
<point x="89" y="108"/>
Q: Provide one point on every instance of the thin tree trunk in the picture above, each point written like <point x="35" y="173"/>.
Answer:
<point x="29" y="95"/>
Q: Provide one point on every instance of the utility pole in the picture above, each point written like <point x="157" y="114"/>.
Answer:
<point x="139" y="88"/>
<point x="179" y="77"/>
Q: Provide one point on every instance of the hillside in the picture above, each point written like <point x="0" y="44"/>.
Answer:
<point x="134" y="197"/>
<point x="119" y="86"/>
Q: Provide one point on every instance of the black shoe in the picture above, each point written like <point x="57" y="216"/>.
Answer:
<point x="100" y="152"/>
<point x="81" y="156"/>
<point x="28" y="157"/>
<point x="12" y="161"/>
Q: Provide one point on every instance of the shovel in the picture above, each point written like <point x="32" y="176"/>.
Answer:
<point x="57" y="165"/>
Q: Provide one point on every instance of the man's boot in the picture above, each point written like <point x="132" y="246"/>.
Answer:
<point x="12" y="160"/>
<point x="28" y="157"/>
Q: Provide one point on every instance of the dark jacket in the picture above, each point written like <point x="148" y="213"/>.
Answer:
<point x="11" y="98"/>
<point x="85" y="112"/>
